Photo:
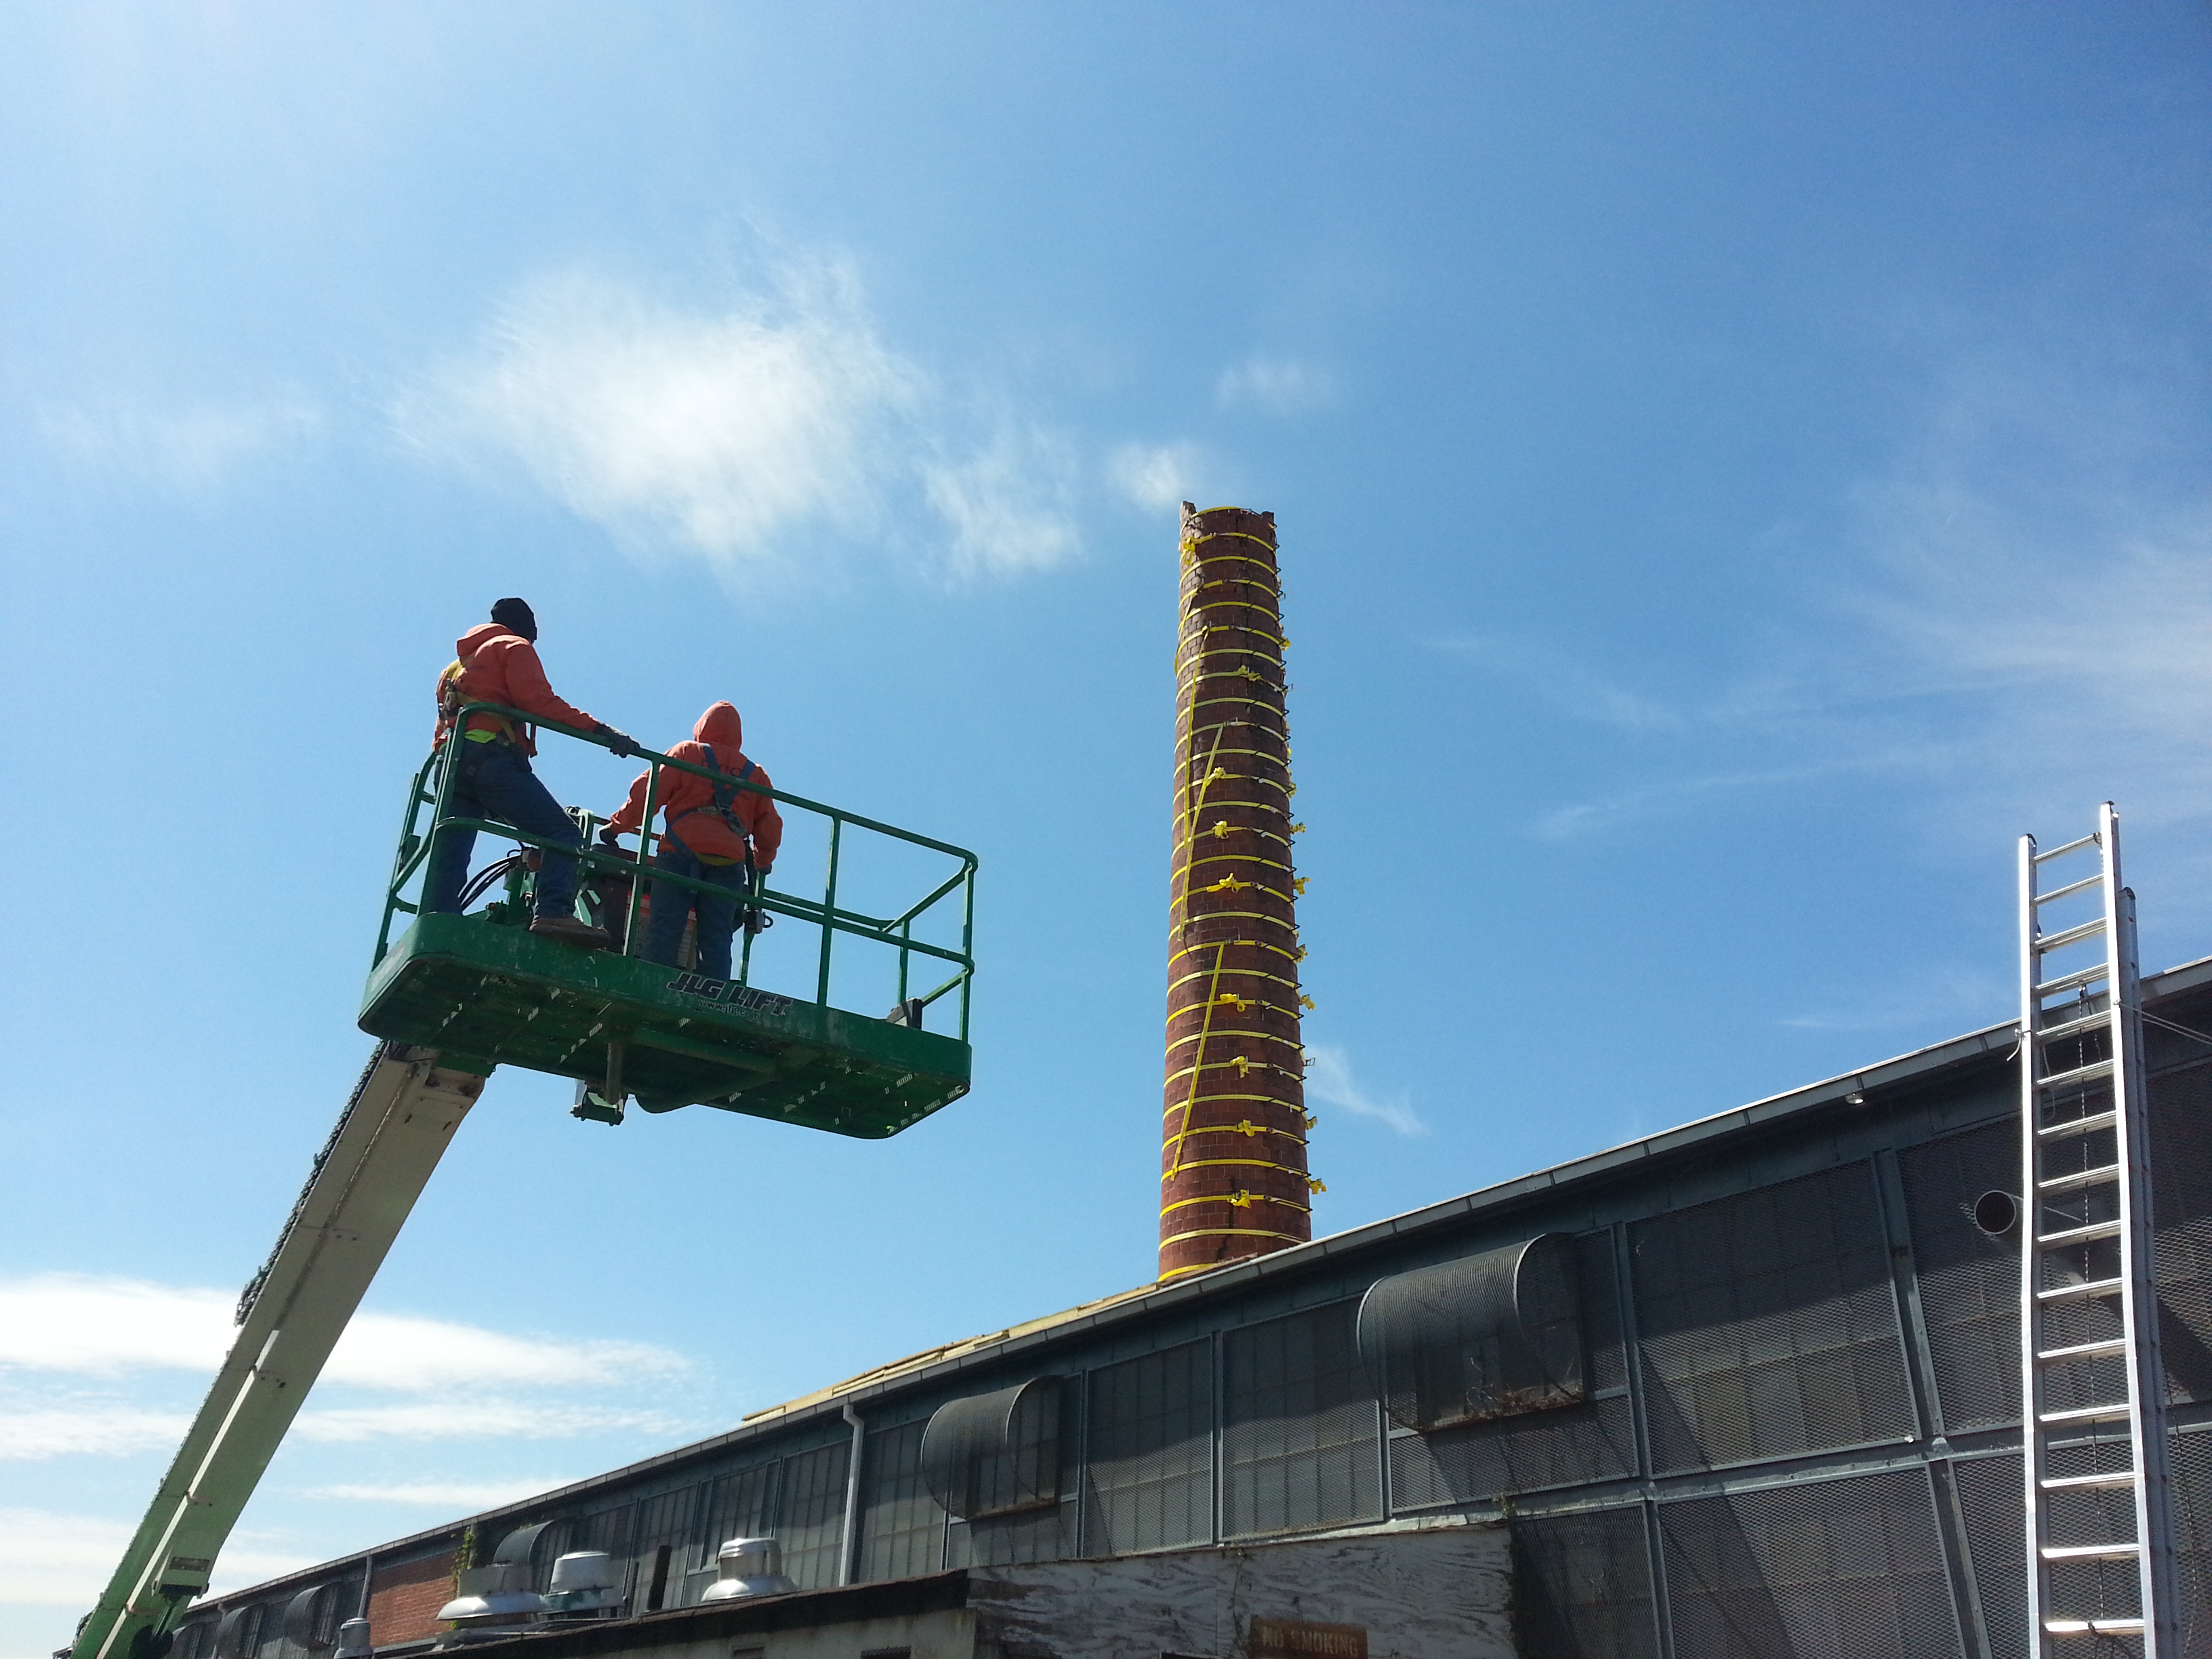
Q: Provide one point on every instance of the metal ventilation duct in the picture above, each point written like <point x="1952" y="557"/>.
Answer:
<point x="994" y="1454"/>
<point x="1489" y="1335"/>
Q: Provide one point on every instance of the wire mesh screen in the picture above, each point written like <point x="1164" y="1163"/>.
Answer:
<point x="1002" y="1541"/>
<point x="1850" y="1569"/>
<point x="1582" y="1587"/>
<point x="812" y="1526"/>
<point x="1769" y="1325"/>
<point x="902" y="1526"/>
<point x="1150" y="1464"/>
<point x="1969" y="1280"/>
<point x="2192" y="1535"/>
<point x="1592" y="1441"/>
<point x="2181" y="1208"/>
<point x="1989" y="1504"/>
<point x="740" y="1504"/>
<point x="1300" y="1432"/>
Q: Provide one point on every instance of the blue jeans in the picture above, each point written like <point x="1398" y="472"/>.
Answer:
<point x="717" y="917"/>
<point x="495" y="782"/>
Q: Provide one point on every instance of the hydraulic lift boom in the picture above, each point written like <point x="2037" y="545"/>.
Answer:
<point x="394" y="1130"/>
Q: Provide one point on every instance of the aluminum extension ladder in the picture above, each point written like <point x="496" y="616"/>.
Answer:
<point x="2099" y="1507"/>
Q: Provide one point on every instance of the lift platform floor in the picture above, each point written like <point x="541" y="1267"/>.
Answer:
<point x="476" y="990"/>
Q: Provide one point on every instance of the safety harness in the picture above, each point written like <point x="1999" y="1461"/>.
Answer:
<point x="724" y="808"/>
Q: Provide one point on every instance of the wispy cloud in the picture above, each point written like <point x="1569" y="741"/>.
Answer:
<point x="1274" y="386"/>
<point x="91" y="1325"/>
<point x="478" y="1417"/>
<point x="2012" y="614"/>
<point x="88" y="1427"/>
<point x="56" y="1560"/>
<point x="743" y="429"/>
<point x="1157" y="477"/>
<point x="59" y="1331"/>
<point x="447" y="1496"/>
<point x="189" y="449"/>
<point x="1329" y="1080"/>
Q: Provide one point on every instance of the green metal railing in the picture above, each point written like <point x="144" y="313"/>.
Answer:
<point x="433" y="787"/>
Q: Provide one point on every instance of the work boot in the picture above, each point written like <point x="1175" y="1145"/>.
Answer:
<point x="570" y="931"/>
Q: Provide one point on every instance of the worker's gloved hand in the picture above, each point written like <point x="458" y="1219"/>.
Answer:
<point x="611" y="837"/>
<point x="621" y="742"/>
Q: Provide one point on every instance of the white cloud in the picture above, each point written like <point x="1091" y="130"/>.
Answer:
<point x="447" y="1496"/>
<point x="1156" y="477"/>
<point x="49" y="1559"/>
<point x="732" y="431"/>
<point x="95" y="1326"/>
<point x="474" y="1382"/>
<point x="1273" y="385"/>
<point x="1005" y="504"/>
<point x="475" y="1418"/>
<point x="1329" y="1080"/>
<point x="189" y="450"/>
<point x="94" y="1428"/>
<point x="91" y="1325"/>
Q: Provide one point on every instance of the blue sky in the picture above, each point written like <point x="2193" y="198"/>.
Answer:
<point x="1737" y="466"/>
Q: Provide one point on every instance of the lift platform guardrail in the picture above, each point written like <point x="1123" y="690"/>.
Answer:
<point x="483" y="991"/>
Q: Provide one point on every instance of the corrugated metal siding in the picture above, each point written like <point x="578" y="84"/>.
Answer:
<point x="1149" y="1477"/>
<point x="902" y="1526"/>
<point x="1300" y="1432"/>
<point x="811" y="1523"/>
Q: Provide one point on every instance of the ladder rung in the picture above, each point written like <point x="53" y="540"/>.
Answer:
<point x="2089" y="839"/>
<point x="2073" y="982"/>
<point x="2087" y="1552"/>
<point x="2069" y="1482"/>
<point x="2075" y="1027"/>
<point x="2086" y="1350"/>
<point x="2069" y="889"/>
<point x="2094" y="1231"/>
<point x="2079" y="1125"/>
<point x="2067" y="1184"/>
<point x="2094" y="1627"/>
<point x="2073" y="935"/>
<point x="2087" y="1287"/>
<point x="2078" y="1075"/>
<point x="2109" y="1413"/>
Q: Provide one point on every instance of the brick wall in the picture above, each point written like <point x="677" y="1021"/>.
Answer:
<point x="404" y="1601"/>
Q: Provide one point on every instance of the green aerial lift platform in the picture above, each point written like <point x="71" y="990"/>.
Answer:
<point x="452" y="996"/>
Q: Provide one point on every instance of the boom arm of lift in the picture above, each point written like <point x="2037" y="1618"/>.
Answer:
<point x="394" y="1130"/>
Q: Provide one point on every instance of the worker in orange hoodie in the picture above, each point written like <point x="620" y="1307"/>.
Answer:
<point x="715" y="832"/>
<point x="497" y="662"/>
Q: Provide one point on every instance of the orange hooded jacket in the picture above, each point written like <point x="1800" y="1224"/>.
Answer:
<point x="496" y="665"/>
<point x="689" y="801"/>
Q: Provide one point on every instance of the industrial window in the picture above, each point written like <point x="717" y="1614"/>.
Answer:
<point x="1769" y="1325"/>
<point x="1569" y="1445"/>
<point x="1489" y="1335"/>
<point x="901" y="1528"/>
<point x="1969" y="1280"/>
<point x="1299" y="1435"/>
<point x="1150" y="1464"/>
<point x="812" y="1527"/>
<point x="1852" y="1568"/>
<point x="1582" y="1586"/>
<point x="995" y="1454"/>
<point x="741" y="1504"/>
